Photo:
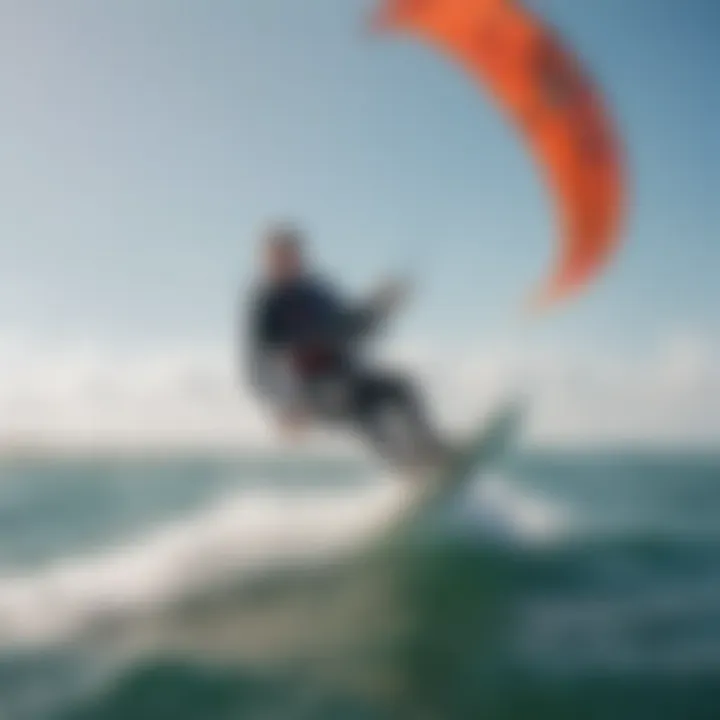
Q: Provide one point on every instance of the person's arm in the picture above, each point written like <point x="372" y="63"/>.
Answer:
<point x="339" y="322"/>
<point x="375" y="310"/>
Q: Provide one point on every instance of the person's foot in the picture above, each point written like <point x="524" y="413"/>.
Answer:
<point x="439" y="454"/>
<point x="428" y="462"/>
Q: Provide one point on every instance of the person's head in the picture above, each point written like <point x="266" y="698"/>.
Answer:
<point x="284" y="257"/>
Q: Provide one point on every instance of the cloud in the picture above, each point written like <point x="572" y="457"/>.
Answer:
<point x="91" y="397"/>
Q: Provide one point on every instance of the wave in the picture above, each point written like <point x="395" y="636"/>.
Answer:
<point x="243" y="535"/>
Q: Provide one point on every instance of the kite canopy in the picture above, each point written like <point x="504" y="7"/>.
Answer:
<point x="541" y="87"/>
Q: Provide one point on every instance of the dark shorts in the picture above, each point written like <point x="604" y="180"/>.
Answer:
<point x="382" y="408"/>
<point x="356" y="396"/>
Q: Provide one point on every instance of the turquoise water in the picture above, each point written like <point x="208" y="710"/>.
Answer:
<point x="559" y="586"/>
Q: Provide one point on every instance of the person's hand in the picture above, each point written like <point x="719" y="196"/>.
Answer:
<point x="392" y="294"/>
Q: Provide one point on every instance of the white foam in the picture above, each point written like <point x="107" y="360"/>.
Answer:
<point x="502" y="506"/>
<point x="249" y="531"/>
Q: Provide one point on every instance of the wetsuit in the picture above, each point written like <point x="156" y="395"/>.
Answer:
<point x="304" y="356"/>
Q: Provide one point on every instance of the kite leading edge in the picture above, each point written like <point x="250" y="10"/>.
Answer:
<point x="542" y="88"/>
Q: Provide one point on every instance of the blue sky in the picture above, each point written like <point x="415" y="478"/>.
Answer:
<point x="144" y="144"/>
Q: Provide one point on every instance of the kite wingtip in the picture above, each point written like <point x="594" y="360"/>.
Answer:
<point x="538" y="302"/>
<point x="544" y="298"/>
<point x="385" y="16"/>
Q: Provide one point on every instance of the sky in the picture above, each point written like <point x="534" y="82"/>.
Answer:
<point x="144" y="145"/>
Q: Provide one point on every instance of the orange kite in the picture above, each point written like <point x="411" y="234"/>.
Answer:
<point x="541" y="86"/>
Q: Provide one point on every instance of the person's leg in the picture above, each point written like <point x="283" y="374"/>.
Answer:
<point x="387" y="410"/>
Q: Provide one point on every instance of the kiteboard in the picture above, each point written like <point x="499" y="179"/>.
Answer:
<point x="491" y="439"/>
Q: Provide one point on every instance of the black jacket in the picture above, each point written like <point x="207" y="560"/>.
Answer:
<point x="301" y="331"/>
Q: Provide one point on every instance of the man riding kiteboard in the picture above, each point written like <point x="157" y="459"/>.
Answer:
<point x="305" y="358"/>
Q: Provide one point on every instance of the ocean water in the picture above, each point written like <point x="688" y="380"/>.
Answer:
<point x="575" y="586"/>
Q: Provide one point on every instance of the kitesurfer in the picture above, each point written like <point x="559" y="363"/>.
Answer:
<point x="305" y="358"/>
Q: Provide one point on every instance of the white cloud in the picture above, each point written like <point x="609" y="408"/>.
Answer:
<point x="179" y="397"/>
